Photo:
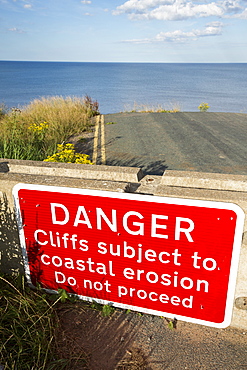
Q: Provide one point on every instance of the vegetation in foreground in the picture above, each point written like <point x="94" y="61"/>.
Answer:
<point x="31" y="334"/>
<point x="29" y="327"/>
<point x="28" y="323"/>
<point x="35" y="131"/>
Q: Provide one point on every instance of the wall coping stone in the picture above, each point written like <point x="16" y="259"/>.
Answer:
<point x="81" y="171"/>
<point x="203" y="180"/>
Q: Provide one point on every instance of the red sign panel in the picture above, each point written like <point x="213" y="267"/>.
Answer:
<point x="166" y="256"/>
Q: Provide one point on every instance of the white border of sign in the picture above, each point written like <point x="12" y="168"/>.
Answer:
<point x="147" y="198"/>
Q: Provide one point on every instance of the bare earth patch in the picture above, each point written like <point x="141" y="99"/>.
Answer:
<point x="103" y="342"/>
<point x="128" y="341"/>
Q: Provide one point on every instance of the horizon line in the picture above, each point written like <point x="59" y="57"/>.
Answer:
<point x="120" y="62"/>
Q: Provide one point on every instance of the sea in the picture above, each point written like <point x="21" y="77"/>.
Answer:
<point x="120" y="87"/>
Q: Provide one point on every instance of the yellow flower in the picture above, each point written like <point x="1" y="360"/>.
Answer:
<point x="38" y="127"/>
<point x="66" y="153"/>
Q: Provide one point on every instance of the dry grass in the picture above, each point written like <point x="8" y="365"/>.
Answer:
<point x="65" y="116"/>
<point x="158" y="108"/>
<point x="134" y="360"/>
<point x="34" y="132"/>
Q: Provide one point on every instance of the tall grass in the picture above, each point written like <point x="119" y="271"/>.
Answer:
<point x="28" y="324"/>
<point x="26" y="327"/>
<point x="34" y="132"/>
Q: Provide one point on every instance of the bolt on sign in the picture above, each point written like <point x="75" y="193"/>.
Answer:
<point x="170" y="257"/>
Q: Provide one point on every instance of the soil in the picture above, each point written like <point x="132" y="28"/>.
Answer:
<point x="84" y="142"/>
<point x="130" y="341"/>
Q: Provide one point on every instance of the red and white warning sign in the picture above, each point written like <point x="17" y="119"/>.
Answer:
<point x="164" y="256"/>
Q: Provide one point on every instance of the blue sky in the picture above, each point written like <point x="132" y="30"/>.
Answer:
<point x="124" y="31"/>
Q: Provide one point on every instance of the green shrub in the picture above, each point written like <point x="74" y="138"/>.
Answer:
<point x="203" y="107"/>
<point x="92" y="107"/>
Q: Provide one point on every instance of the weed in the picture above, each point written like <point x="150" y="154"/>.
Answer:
<point x="111" y="123"/>
<point x="96" y="306"/>
<point x="66" y="154"/>
<point x="92" y="107"/>
<point x="203" y="107"/>
<point x="65" y="297"/>
<point x="106" y="309"/>
<point x="172" y="323"/>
